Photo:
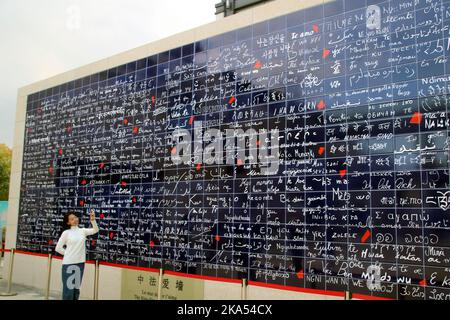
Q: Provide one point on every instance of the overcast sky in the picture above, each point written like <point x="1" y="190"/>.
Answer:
<point x="41" y="38"/>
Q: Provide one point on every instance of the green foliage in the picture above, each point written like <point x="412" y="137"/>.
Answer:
<point x="5" y="171"/>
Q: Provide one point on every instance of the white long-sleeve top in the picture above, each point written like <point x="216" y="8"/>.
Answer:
<point x="75" y="241"/>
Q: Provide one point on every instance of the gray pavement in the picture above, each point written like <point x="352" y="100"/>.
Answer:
<point x="23" y="292"/>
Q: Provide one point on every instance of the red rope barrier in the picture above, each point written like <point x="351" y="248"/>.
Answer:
<point x="122" y="266"/>
<point x="32" y="253"/>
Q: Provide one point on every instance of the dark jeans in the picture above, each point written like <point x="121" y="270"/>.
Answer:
<point x="72" y="275"/>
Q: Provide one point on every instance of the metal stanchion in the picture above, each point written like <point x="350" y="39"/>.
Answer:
<point x="348" y="295"/>
<point x="160" y="283"/>
<point x="2" y="254"/>
<point x="11" y="265"/>
<point x="244" y="289"/>
<point x="49" y="276"/>
<point x="1" y="257"/>
<point x="96" y="276"/>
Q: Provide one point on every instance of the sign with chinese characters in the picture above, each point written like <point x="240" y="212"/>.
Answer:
<point x="143" y="285"/>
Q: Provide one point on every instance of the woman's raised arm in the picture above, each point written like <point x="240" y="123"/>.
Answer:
<point x="94" y="229"/>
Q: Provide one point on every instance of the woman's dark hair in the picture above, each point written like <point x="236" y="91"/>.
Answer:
<point x="66" y="220"/>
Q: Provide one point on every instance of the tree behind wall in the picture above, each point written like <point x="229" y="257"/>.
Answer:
<point x="5" y="171"/>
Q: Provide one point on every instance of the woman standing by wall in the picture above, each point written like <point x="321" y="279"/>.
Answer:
<point x="74" y="240"/>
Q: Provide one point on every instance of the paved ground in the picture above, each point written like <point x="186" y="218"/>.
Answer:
<point x="23" y="293"/>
